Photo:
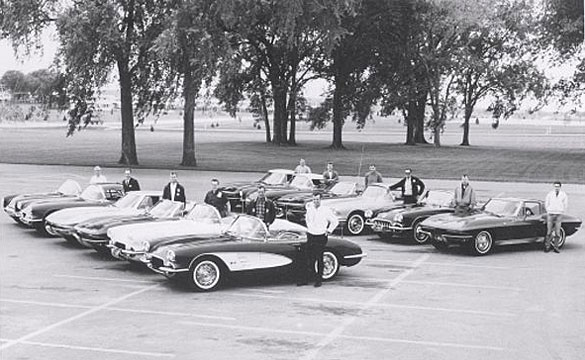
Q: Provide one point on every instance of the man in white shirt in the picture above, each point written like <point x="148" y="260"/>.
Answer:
<point x="302" y="168"/>
<point x="97" y="177"/>
<point x="556" y="205"/>
<point x="320" y="223"/>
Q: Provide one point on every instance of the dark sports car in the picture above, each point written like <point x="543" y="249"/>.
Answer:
<point x="499" y="221"/>
<point x="35" y="213"/>
<point x="292" y="206"/>
<point x="93" y="233"/>
<point x="12" y="204"/>
<point x="236" y="192"/>
<point x="405" y="220"/>
<point x="300" y="184"/>
<point x="246" y="246"/>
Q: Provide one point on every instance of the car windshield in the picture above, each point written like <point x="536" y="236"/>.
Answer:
<point x="438" y="198"/>
<point x="248" y="227"/>
<point x="502" y="207"/>
<point x="205" y="214"/>
<point x="130" y="200"/>
<point x="93" y="193"/>
<point x="374" y="192"/>
<point x="166" y="209"/>
<point x="69" y="187"/>
<point x="272" y="178"/>
<point x="302" y="182"/>
<point x="343" y="188"/>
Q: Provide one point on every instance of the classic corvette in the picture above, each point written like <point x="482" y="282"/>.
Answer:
<point x="499" y="221"/>
<point x="292" y="206"/>
<point x="93" y="233"/>
<point x="237" y="191"/>
<point x="131" y="242"/>
<point x="300" y="184"/>
<point x="246" y="246"/>
<point x="405" y="220"/>
<point x="12" y="204"/>
<point x="34" y="214"/>
<point x="351" y="211"/>
<point x="62" y="222"/>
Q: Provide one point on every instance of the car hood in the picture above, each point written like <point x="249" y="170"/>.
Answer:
<point x="348" y="204"/>
<point x="26" y="200"/>
<point x="73" y="215"/>
<point x="106" y="222"/>
<point x="135" y="234"/>
<point x="464" y="223"/>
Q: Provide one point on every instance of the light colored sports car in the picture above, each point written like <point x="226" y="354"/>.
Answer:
<point x="351" y="211"/>
<point x="131" y="242"/>
<point x="62" y="222"/>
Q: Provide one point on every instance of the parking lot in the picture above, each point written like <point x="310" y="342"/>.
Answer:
<point x="401" y="302"/>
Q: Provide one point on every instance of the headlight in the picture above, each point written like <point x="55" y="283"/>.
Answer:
<point x="335" y="212"/>
<point x="144" y="246"/>
<point x="369" y="213"/>
<point x="398" y="218"/>
<point x="170" y="256"/>
<point x="241" y="194"/>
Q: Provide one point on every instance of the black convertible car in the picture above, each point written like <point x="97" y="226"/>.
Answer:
<point x="246" y="246"/>
<point x="404" y="221"/>
<point x="499" y="221"/>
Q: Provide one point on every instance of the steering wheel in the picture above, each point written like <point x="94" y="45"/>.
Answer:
<point x="287" y="235"/>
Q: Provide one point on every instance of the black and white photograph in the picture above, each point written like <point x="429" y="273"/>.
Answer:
<point x="292" y="179"/>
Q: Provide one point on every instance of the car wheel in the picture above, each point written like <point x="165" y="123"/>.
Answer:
<point x="356" y="224"/>
<point x="482" y="243"/>
<point x="330" y="265"/>
<point x="562" y="239"/>
<point x="279" y="212"/>
<point x="418" y="236"/>
<point x="205" y="274"/>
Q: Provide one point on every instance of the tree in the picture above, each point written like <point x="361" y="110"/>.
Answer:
<point x="14" y="81"/>
<point x="94" y="38"/>
<point x="190" y="50"/>
<point x="287" y="39"/>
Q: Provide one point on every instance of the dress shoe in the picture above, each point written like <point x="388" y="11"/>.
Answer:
<point x="546" y="249"/>
<point x="318" y="284"/>
<point x="556" y="249"/>
<point x="302" y="283"/>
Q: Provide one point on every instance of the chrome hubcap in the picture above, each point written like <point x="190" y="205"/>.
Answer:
<point x="419" y="236"/>
<point x="206" y="274"/>
<point x="482" y="242"/>
<point x="356" y="224"/>
<point x="329" y="265"/>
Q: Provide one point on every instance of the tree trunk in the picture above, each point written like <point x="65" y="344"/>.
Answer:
<point x="293" y="119"/>
<point x="419" y="120"/>
<point x="410" y="123"/>
<point x="437" y="137"/>
<point x="128" y="155"/>
<point x="280" y="118"/>
<point x="468" y="112"/>
<point x="265" y="116"/>
<point x="338" y="112"/>
<point x="189" y="95"/>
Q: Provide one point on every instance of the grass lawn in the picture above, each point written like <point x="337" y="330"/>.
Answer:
<point x="516" y="156"/>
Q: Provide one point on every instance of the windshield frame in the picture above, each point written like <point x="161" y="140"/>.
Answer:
<point x="88" y="191"/>
<point x="258" y="224"/>
<point x="280" y="176"/>
<point x="129" y="201"/>
<point x="490" y="209"/>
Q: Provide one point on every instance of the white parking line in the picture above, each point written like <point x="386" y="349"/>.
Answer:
<point x="95" y="278"/>
<point x="87" y="348"/>
<point x="135" y="311"/>
<point x="73" y="318"/>
<point x="434" y="283"/>
<point x="359" y="304"/>
<point x="386" y="261"/>
<point x="336" y="333"/>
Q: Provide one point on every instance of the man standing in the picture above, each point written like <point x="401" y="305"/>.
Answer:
<point x="464" y="197"/>
<point x="216" y="198"/>
<point x="302" y="168"/>
<point x="173" y="190"/>
<point x="556" y="203"/>
<point x="331" y="176"/>
<point x="320" y="223"/>
<point x="372" y="176"/>
<point x="262" y="207"/>
<point x="97" y="177"/>
<point x="129" y="183"/>
<point x="411" y="186"/>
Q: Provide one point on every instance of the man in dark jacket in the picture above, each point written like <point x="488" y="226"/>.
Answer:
<point x="411" y="187"/>
<point x="262" y="207"/>
<point x="173" y="190"/>
<point x="129" y="183"/>
<point x="217" y="198"/>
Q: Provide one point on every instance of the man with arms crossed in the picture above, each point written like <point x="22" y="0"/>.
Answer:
<point x="556" y="204"/>
<point x="320" y="223"/>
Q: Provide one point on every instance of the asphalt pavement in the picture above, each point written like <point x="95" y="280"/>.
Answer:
<point x="402" y="302"/>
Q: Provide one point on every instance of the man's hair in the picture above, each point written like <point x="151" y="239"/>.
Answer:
<point x="215" y="180"/>
<point x="260" y="186"/>
<point x="173" y="173"/>
<point x="557" y="183"/>
<point x="318" y="194"/>
<point x="329" y="162"/>
<point x="372" y="165"/>
<point x="97" y="167"/>
<point x="464" y="175"/>
<point x="128" y="170"/>
<point x="408" y="169"/>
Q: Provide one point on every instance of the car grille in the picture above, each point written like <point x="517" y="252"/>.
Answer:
<point x="156" y="262"/>
<point x="382" y="224"/>
<point x="120" y="245"/>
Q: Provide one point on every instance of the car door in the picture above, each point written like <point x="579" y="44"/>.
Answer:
<point x="524" y="224"/>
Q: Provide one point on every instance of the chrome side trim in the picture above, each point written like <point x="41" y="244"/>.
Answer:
<point x="356" y="256"/>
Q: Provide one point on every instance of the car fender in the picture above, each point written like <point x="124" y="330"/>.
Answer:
<point x="242" y="260"/>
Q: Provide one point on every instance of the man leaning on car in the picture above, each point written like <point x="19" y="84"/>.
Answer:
<point x="463" y="197"/>
<point x="411" y="186"/>
<point x="556" y="204"/>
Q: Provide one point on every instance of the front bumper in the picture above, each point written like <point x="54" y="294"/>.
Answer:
<point x="59" y="230"/>
<point x="446" y="237"/>
<point x="386" y="226"/>
<point x="161" y="266"/>
<point x="120" y="252"/>
<point x="28" y="220"/>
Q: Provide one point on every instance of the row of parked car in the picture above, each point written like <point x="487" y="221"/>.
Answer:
<point x="189" y="242"/>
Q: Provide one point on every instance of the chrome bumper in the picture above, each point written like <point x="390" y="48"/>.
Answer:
<point x="388" y="225"/>
<point x="356" y="256"/>
<point x="165" y="270"/>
